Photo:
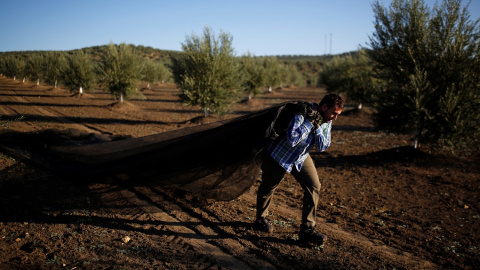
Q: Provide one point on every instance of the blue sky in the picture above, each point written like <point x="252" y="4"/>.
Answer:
<point x="261" y="27"/>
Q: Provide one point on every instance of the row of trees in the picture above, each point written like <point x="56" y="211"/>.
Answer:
<point x="80" y="72"/>
<point x="118" y="68"/>
<point x="421" y="73"/>
<point x="259" y="72"/>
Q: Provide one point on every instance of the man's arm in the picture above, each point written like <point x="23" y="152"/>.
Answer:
<point x="298" y="130"/>
<point x="323" y="136"/>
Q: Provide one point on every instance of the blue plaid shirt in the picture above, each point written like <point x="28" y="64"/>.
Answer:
<point x="292" y="150"/>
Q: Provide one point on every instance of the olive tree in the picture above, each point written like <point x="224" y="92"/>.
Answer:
<point x="153" y="72"/>
<point x="206" y="71"/>
<point x="428" y="58"/>
<point x="150" y="72"/>
<point x="12" y="66"/>
<point x="120" y="69"/>
<point x="79" y="72"/>
<point x="164" y="73"/>
<point x="35" y="67"/>
<point x="352" y="75"/>
<point x="294" y="77"/>
<point x="272" y="72"/>
<point x="54" y="65"/>
<point x="252" y="74"/>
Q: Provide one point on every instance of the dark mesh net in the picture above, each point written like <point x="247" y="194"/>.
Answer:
<point x="218" y="160"/>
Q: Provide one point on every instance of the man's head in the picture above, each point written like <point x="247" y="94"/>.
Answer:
<point x="330" y="107"/>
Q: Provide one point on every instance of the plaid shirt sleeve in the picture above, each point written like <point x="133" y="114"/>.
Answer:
<point x="323" y="137"/>
<point x="292" y="150"/>
<point x="298" y="130"/>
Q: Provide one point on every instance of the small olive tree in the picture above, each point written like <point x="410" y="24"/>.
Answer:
<point x="353" y="75"/>
<point x="164" y="73"/>
<point x="79" y="72"/>
<point x="273" y="75"/>
<point x="206" y="71"/>
<point x="429" y="60"/>
<point x="120" y="69"/>
<point x="54" y="65"/>
<point x="35" y="67"/>
<point x="153" y="72"/>
<point x="150" y="72"/>
<point x="252" y="74"/>
<point x="13" y="66"/>
<point x="294" y="77"/>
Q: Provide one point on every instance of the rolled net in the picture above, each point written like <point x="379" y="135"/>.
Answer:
<point x="219" y="160"/>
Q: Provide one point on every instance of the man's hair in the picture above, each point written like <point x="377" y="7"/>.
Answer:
<point x="331" y="100"/>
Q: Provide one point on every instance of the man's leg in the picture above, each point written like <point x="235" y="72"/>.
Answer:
<point x="308" y="178"/>
<point x="272" y="174"/>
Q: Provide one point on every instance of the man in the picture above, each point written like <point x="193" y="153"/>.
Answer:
<point x="289" y="153"/>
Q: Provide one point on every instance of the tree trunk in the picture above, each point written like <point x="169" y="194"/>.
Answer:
<point x="55" y="83"/>
<point x="148" y="85"/>
<point x="81" y="90"/>
<point x="416" y="142"/>
<point x="121" y="98"/>
<point x="14" y="78"/>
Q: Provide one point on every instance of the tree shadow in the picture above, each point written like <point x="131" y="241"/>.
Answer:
<point x="353" y="128"/>
<point x="49" y="105"/>
<point x="32" y="95"/>
<point x="106" y="121"/>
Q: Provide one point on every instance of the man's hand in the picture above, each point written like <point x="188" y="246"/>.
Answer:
<point x="315" y="118"/>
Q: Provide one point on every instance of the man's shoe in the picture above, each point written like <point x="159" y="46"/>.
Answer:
<point x="309" y="235"/>
<point x="262" y="224"/>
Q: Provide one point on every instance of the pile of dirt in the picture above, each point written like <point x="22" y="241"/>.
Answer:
<point x="81" y="95"/>
<point x="122" y="106"/>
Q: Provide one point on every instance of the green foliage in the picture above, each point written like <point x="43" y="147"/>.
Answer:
<point x="164" y="73"/>
<point x="429" y="59"/>
<point x="310" y="71"/>
<point x="293" y="76"/>
<point x="153" y="72"/>
<point x="273" y="73"/>
<point x="143" y="52"/>
<point x="305" y="72"/>
<point x="150" y="72"/>
<point x="252" y="74"/>
<point x="35" y="67"/>
<point x="280" y="74"/>
<point x="206" y="72"/>
<point x="12" y="66"/>
<point x="7" y="123"/>
<point x="54" y="65"/>
<point x="120" y="68"/>
<point x="79" y="72"/>
<point x="352" y="75"/>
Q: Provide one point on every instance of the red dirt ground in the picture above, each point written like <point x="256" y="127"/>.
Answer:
<point x="384" y="205"/>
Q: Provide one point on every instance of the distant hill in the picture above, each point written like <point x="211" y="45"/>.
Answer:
<point x="97" y="51"/>
<point x="165" y="55"/>
<point x="308" y="65"/>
